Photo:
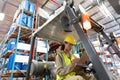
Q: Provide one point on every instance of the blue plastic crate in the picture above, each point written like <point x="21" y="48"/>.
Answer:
<point x="22" y="19"/>
<point x="11" y="44"/>
<point x="25" y="5"/>
<point x="32" y="8"/>
<point x="24" y="66"/>
<point x="9" y="66"/>
<point x="30" y="22"/>
<point x="18" y="66"/>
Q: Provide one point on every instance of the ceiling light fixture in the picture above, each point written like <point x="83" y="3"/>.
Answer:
<point x="2" y="15"/>
<point x="86" y="21"/>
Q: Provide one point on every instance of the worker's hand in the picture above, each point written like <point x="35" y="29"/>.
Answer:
<point x="76" y="61"/>
<point x="77" y="69"/>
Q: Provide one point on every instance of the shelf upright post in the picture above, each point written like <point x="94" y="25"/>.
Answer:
<point x="3" y="66"/>
<point x="30" y="56"/>
<point x="35" y="27"/>
<point x="36" y="49"/>
<point x="32" y="50"/>
<point x="33" y="46"/>
<point x="18" y="37"/>
<point x="46" y="77"/>
<point x="47" y="50"/>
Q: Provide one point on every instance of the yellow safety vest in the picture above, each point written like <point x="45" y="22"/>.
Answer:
<point x="67" y="62"/>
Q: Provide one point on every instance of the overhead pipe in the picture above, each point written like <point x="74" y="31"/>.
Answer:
<point x="56" y="3"/>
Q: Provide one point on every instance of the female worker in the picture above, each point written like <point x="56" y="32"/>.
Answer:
<point x="66" y="62"/>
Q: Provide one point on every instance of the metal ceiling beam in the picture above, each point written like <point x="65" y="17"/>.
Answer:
<point x="7" y="2"/>
<point x="115" y="5"/>
<point x="89" y="7"/>
<point x="3" y="30"/>
<point x="56" y="3"/>
<point x="3" y="7"/>
<point x="12" y="4"/>
<point x="110" y="21"/>
<point x="100" y="18"/>
<point x="82" y="1"/>
<point x="94" y="14"/>
<point x="118" y="36"/>
<point x="117" y="33"/>
<point x="111" y="27"/>
<point x="45" y="3"/>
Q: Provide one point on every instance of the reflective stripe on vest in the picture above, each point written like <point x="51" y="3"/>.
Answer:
<point x="67" y="61"/>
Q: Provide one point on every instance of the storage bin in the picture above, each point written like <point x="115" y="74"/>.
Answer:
<point x="32" y="8"/>
<point x="24" y="66"/>
<point x="30" y="22"/>
<point x="9" y="66"/>
<point x="11" y="44"/>
<point x="25" y="5"/>
<point x="22" y="19"/>
<point x="18" y="66"/>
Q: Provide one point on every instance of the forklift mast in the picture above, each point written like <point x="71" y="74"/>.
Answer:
<point x="101" y="71"/>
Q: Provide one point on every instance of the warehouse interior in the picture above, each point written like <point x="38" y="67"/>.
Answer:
<point x="41" y="26"/>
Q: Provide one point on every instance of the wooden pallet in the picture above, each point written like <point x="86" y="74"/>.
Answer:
<point x="27" y="12"/>
<point x="13" y="35"/>
<point x="24" y="11"/>
<point x="42" y="21"/>
<point x="7" y="54"/>
<point x="24" y="31"/>
<point x="17" y="73"/>
<point x="4" y="75"/>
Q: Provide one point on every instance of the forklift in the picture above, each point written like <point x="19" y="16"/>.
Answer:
<point x="70" y="16"/>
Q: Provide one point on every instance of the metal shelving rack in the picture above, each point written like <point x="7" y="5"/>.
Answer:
<point x="108" y="57"/>
<point x="33" y="53"/>
<point x="20" y="33"/>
